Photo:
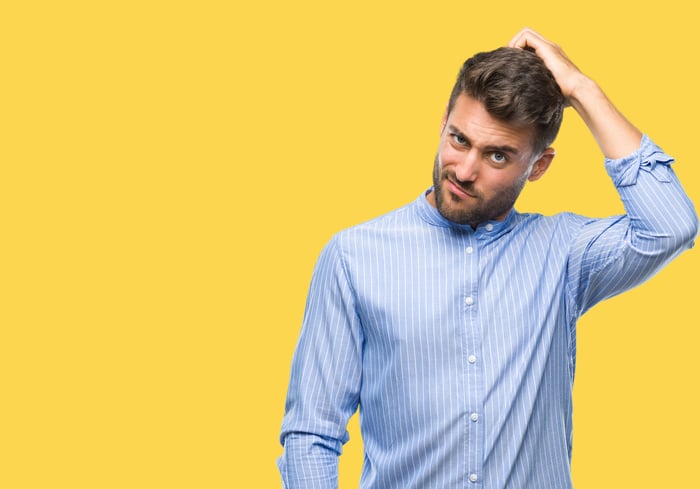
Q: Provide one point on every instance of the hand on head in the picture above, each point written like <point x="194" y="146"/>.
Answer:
<point x="565" y="72"/>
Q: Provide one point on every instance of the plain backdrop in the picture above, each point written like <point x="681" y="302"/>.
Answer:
<point x="169" y="172"/>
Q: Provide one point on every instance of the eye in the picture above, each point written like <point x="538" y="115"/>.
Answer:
<point x="459" y="139"/>
<point x="498" y="157"/>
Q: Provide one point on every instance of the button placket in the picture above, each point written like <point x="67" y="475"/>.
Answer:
<point x="473" y="371"/>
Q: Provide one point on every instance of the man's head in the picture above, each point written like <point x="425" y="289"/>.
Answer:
<point x="504" y="111"/>
<point x="515" y="87"/>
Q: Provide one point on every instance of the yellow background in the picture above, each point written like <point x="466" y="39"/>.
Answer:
<point x="171" y="170"/>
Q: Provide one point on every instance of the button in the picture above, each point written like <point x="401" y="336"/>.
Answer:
<point x="471" y="358"/>
<point x="469" y="300"/>
<point x="470" y="250"/>
<point x="474" y="417"/>
<point x="473" y="477"/>
<point x="489" y="227"/>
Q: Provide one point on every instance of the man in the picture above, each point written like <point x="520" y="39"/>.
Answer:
<point x="451" y="322"/>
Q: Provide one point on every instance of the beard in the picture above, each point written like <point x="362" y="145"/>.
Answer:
<point x="477" y="209"/>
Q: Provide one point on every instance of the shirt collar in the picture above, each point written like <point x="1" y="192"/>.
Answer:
<point x="485" y="230"/>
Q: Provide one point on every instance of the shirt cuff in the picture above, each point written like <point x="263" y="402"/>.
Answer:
<point x="648" y="157"/>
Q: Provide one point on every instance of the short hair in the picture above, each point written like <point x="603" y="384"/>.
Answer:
<point x="516" y="87"/>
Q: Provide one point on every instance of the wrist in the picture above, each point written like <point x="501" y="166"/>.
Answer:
<point x="583" y="90"/>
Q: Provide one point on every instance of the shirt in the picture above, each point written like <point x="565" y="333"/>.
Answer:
<point x="459" y="344"/>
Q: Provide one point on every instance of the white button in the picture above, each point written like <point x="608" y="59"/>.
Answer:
<point x="474" y="417"/>
<point x="473" y="477"/>
<point x="470" y="250"/>
<point x="471" y="358"/>
<point x="489" y="227"/>
<point x="469" y="301"/>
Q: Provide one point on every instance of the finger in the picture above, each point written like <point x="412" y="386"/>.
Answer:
<point x="515" y="41"/>
<point x="527" y="38"/>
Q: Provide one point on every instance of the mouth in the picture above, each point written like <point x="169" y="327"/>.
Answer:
<point x="457" y="190"/>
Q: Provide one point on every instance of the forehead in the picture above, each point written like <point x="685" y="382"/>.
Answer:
<point x="470" y="117"/>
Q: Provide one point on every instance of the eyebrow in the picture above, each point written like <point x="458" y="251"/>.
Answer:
<point x="500" y="149"/>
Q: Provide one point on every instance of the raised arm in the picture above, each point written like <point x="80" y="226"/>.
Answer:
<point x="615" y="135"/>
<point x="615" y="254"/>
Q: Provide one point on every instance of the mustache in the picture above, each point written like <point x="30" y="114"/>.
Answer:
<point x="440" y="175"/>
<point x="467" y="187"/>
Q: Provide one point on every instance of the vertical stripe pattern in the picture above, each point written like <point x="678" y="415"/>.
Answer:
<point x="459" y="345"/>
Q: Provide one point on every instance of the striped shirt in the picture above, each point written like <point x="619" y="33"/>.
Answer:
<point x="459" y="344"/>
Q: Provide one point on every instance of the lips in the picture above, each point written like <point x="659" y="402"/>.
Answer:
<point x="458" y="190"/>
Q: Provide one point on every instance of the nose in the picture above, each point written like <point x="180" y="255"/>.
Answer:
<point x="467" y="168"/>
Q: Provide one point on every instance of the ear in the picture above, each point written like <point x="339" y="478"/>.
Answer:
<point x="540" y="166"/>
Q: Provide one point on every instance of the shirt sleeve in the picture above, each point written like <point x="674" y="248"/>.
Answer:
<point x="325" y="379"/>
<point x="615" y="254"/>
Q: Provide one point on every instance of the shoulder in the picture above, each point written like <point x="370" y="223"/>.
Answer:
<point x="558" y="230"/>
<point x="367" y="242"/>
<point x="381" y="227"/>
<point x="562" y="222"/>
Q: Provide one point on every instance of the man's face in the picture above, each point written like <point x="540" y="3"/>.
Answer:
<point x="482" y="164"/>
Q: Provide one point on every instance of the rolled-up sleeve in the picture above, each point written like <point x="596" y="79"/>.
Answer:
<point x="615" y="254"/>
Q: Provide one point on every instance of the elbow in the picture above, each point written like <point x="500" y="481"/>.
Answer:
<point x="677" y="234"/>
<point x="688" y="230"/>
<point x="684" y="233"/>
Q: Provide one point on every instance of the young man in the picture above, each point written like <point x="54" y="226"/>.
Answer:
<point x="451" y="322"/>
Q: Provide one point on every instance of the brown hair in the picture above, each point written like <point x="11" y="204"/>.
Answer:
<point x="515" y="87"/>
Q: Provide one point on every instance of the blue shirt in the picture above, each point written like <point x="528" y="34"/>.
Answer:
<point x="459" y="345"/>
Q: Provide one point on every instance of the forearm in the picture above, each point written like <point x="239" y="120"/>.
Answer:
<point x="615" y="135"/>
